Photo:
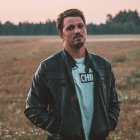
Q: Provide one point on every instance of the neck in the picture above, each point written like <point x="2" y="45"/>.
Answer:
<point x="76" y="53"/>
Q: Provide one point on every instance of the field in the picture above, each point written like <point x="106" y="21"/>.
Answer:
<point x="19" y="59"/>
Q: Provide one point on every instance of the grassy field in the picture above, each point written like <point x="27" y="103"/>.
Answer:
<point x="19" y="59"/>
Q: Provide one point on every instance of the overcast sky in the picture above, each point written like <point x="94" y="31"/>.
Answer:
<point x="41" y="10"/>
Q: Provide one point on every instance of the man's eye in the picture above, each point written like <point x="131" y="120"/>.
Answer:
<point x="80" y="26"/>
<point x="70" y="28"/>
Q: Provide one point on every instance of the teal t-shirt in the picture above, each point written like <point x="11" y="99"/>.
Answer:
<point x="84" y="83"/>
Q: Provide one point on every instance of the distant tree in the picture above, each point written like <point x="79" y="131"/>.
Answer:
<point x="124" y="22"/>
<point x="90" y="28"/>
<point x="0" y="27"/>
<point x="8" y="28"/>
<point x="124" y="17"/>
<point x="109" y="19"/>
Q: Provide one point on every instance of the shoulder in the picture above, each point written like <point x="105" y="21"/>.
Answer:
<point x="54" y="57"/>
<point x="100" y="59"/>
<point x="53" y="62"/>
<point x="101" y="64"/>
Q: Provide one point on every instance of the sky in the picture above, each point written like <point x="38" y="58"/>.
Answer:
<point x="95" y="11"/>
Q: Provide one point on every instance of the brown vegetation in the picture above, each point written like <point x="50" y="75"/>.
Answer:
<point x="20" y="57"/>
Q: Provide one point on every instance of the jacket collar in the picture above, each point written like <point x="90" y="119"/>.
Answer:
<point x="72" y="61"/>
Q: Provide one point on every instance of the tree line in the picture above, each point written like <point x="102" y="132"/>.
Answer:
<point x="124" y="22"/>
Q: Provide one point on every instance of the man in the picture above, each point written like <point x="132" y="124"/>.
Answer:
<point x="73" y="95"/>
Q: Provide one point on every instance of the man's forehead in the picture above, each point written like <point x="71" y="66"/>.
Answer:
<point x="72" y="20"/>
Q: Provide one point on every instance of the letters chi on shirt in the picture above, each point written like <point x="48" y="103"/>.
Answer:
<point x="86" y="77"/>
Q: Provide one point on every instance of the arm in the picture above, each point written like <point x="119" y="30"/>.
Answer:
<point x="114" y="104"/>
<point x="38" y="109"/>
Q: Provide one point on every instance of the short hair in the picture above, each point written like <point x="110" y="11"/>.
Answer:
<point x="68" y="13"/>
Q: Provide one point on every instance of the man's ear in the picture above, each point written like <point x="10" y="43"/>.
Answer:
<point x="61" y="35"/>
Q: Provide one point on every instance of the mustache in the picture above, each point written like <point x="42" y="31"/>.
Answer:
<point x="78" y="35"/>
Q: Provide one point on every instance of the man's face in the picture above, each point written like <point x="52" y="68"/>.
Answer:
<point x="74" y="32"/>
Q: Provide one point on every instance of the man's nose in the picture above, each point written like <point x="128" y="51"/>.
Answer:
<point x="77" y="30"/>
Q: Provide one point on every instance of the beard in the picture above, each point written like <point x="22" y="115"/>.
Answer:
<point x="78" y="44"/>
<point x="78" y="41"/>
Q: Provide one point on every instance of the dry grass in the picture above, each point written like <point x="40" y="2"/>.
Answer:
<point x="20" y="57"/>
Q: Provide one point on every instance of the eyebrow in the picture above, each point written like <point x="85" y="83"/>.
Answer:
<point x="75" y="25"/>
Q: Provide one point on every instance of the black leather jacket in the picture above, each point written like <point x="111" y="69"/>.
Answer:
<point x="53" y="106"/>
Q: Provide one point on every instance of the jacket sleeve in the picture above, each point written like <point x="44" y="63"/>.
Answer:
<point x="114" y="104"/>
<point x="38" y="101"/>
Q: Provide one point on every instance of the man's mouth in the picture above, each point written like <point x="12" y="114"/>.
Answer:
<point x="78" y="36"/>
